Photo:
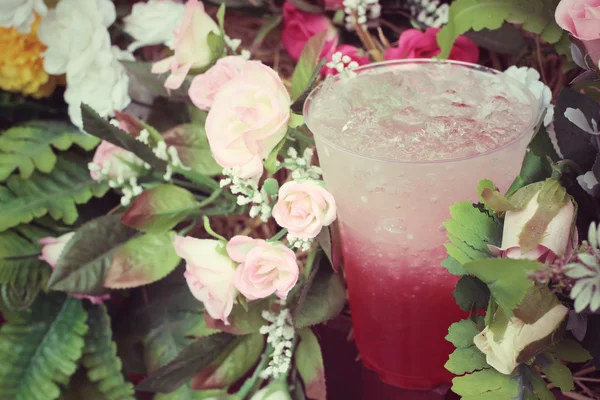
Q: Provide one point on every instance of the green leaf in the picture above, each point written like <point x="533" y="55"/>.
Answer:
<point x="271" y="161"/>
<point x="507" y="279"/>
<point x="193" y="148"/>
<point x="41" y="352"/>
<point x="87" y="257"/>
<point x="508" y="39"/>
<point x="80" y="387"/>
<point x="305" y="73"/>
<point x="57" y="194"/>
<point x="29" y="147"/>
<point x="470" y="232"/>
<point x="271" y="186"/>
<point x="539" y="385"/>
<point x="461" y="333"/>
<point x="538" y="300"/>
<point x="571" y="351"/>
<point x="221" y="16"/>
<point x="233" y="364"/>
<point x="536" y="16"/>
<point x="241" y="321"/>
<point x="142" y="73"/>
<point x="19" y="249"/>
<point x="142" y="260"/>
<point x="100" y="357"/>
<point x="452" y="264"/>
<point x="470" y="293"/>
<point x="309" y="363"/>
<point x="322" y="298"/>
<point x="216" y="44"/>
<point x="536" y="166"/>
<point x="464" y="360"/>
<point x="556" y="372"/>
<point x="270" y="23"/>
<point x="95" y="125"/>
<point x="486" y="384"/>
<point x="190" y="360"/>
<point x="160" y="209"/>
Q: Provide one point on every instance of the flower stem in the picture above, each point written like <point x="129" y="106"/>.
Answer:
<point x="278" y="235"/>
<point x="210" y="199"/>
<point x="250" y="383"/>
<point x="210" y="231"/>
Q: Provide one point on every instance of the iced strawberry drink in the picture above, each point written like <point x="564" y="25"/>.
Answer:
<point x="398" y="144"/>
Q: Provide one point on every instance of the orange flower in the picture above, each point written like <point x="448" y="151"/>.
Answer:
<point x="21" y="63"/>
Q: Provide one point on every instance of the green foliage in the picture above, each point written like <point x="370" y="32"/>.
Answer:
<point x="40" y="352"/>
<point x="192" y="147"/>
<point x="192" y="359"/>
<point x="56" y="194"/>
<point x="100" y="357"/>
<point x="232" y="364"/>
<point x="507" y="279"/>
<point x="471" y="293"/>
<point x="556" y="372"/>
<point x="243" y="320"/>
<point x="536" y="16"/>
<point x="271" y="161"/>
<point x="159" y="209"/>
<point x="466" y="357"/>
<point x="487" y="384"/>
<point x="307" y="69"/>
<point x="309" y="363"/>
<point x="461" y="333"/>
<point x="142" y="260"/>
<point x="87" y="257"/>
<point x="322" y="298"/>
<point x="570" y="351"/>
<point x="29" y="147"/>
<point x="19" y="263"/>
<point x="470" y="232"/>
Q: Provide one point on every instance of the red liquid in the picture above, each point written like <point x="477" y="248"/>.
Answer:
<point x="401" y="312"/>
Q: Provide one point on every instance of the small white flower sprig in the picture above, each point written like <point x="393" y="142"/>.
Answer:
<point x="343" y="64"/>
<point x="129" y="186"/>
<point x="247" y="192"/>
<point x="430" y="12"/>
<point x="280" y="336"/>
<point x="363" y="9"/>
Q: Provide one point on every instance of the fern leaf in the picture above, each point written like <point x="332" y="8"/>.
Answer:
<point x="100" y="357"/>
<point x="535" y="16"/>
<point x="41" y="352"/>
<point x="57" y="193"/>
<point x="29" y="147"/>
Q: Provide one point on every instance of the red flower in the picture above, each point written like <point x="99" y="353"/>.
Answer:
<point x="299" y="26"/>
<point x="414" y="43"/>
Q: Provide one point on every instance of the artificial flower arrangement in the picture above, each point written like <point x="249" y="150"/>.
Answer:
<point x="219" y="317"/>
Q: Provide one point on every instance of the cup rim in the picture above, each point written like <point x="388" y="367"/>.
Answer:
<point x="536" y="118"/>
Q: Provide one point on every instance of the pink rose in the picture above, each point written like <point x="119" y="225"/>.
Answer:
<point x="248" y="118"/>
<point x="414" y="43"/>
<point x="299" y="26"/>
<point x="114" y="162"/>
<point x="205" y="86"/>
<point x="53" y="247"/>
<point x="334" y="4"/>
<point x="557" y="239"/>
<point x="209" y="274"/>
<point x="355" y="54"/>
<point x="191" y="45"/>
<point x="304" y="208"/>
<point x="582" y="19"/>
<point x="265" y="268"/>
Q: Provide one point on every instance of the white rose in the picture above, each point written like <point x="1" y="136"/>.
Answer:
<point x="502" y="353"/>
<point x="20" y="13"/>
<point x="104" y="88"/>
<point x="76" y="35"/>
<point x="209" y="274"/>
<point x="153" y="23"/>
<point x="248" y="117"/>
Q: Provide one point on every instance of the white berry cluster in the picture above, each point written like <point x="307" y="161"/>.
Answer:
<point x="168" y="154"/>
<point x="234" y="44"/>
<point x="343" y="64"/>
<point x="248" y="193"/>
<point x="129" y="187"/>
<point x="430" y="12"/>
<point x="300" y="165"/>
<point x="280" y="334"/>
<point x="364" y="9"/>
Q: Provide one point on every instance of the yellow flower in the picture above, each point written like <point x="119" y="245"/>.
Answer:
<point x="21" y="63"/>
